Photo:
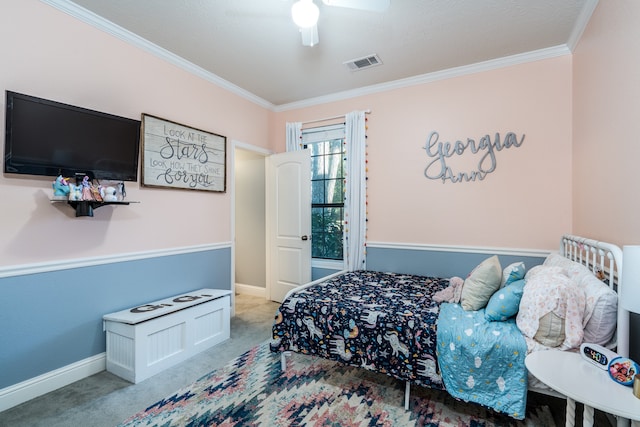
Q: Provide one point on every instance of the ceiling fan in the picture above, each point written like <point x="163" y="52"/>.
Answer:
<point x="305" y="14"/>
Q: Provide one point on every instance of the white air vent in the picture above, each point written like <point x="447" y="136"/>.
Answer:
<point x="364" y="62"/>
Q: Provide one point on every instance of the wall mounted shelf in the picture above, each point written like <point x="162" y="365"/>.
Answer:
<point x="86" y="207"/>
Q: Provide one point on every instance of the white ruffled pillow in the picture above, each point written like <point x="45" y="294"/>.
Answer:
<point x="601" y="310"/>
<point x="554" y="259"/>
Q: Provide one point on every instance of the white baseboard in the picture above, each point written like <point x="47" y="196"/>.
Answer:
<point x="19" y="393"/>
<point x="252" y="290"/>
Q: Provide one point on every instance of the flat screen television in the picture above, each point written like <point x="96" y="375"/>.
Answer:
<point x="50" y="138"/>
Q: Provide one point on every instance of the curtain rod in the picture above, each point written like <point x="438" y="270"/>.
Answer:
<point x="330" y="118"/>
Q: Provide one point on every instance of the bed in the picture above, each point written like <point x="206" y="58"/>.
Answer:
<point x="461" y="336"/>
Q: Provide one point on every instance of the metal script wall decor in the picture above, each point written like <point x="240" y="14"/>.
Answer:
<point x="441" y="151"/>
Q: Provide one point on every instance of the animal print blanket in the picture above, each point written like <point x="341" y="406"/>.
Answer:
<point x="382" y="322"/>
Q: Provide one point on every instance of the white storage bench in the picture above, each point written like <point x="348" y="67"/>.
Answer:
<point x="147" y="339"/>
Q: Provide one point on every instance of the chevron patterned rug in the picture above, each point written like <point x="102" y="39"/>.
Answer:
<point x="253" y="391"/>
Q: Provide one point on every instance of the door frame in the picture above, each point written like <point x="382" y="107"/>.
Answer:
<point x="232" y="184"/>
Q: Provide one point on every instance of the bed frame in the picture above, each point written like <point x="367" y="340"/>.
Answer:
<point x="602" y="258"/>
<point x="605" y="261"/>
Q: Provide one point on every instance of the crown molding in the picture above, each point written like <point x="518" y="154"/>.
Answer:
<point x="109" y="27"/>
<point x="493" y="64"/>
<point x="581" y="23"/>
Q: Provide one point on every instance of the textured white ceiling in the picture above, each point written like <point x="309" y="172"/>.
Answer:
<point x="254" y="45"/>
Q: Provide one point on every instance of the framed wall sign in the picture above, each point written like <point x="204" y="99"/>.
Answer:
<point x="178" y="156"/>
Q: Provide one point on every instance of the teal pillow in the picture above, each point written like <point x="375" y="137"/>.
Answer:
<point x="512" y="272"/>
<point x="505" y="302"/>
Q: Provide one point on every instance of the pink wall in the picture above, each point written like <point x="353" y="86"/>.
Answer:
<point x="64" y="59"/>
<point x="525" y="203"/>
<point x="49" y="54"/>
<point x="606" y="127"/>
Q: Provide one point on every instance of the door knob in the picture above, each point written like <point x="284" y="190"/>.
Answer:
<point x="305" y="237"/>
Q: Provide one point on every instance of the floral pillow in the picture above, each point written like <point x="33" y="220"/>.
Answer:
<point x="512" y="272"/>
<point x="550" y="290"/>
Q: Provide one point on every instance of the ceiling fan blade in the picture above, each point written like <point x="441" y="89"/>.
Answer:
<point x="371" y="5"/>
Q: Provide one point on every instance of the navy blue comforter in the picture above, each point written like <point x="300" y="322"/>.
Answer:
<point x="384" y="322"/>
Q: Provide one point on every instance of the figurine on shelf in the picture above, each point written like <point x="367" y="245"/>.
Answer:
<point x="109" y="194"/>
<point x="75" y="192"/>
<point x="86" y="189"/>
<point x="96" y="193"/>
<point x="122" y="190"/>
<point x="60" y="187"/>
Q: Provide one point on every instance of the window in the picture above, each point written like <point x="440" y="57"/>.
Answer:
<point x="327" y="150"/>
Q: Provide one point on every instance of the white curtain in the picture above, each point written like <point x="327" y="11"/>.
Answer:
<point x="294" y="136"/>
<point x="355" y="207"/>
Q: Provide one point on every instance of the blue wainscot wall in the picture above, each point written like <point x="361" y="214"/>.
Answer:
<point x="52" y="314"/>
<point x="436" y="261"/>
<point x="319" y="273"/>
<point x="445" y="262"/>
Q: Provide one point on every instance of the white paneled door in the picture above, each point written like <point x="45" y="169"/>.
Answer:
<point x="289" y="221"/>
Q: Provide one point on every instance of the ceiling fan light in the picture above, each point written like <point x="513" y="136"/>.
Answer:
<point x="305" y="13"/>
<point x="309" y="36"/>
